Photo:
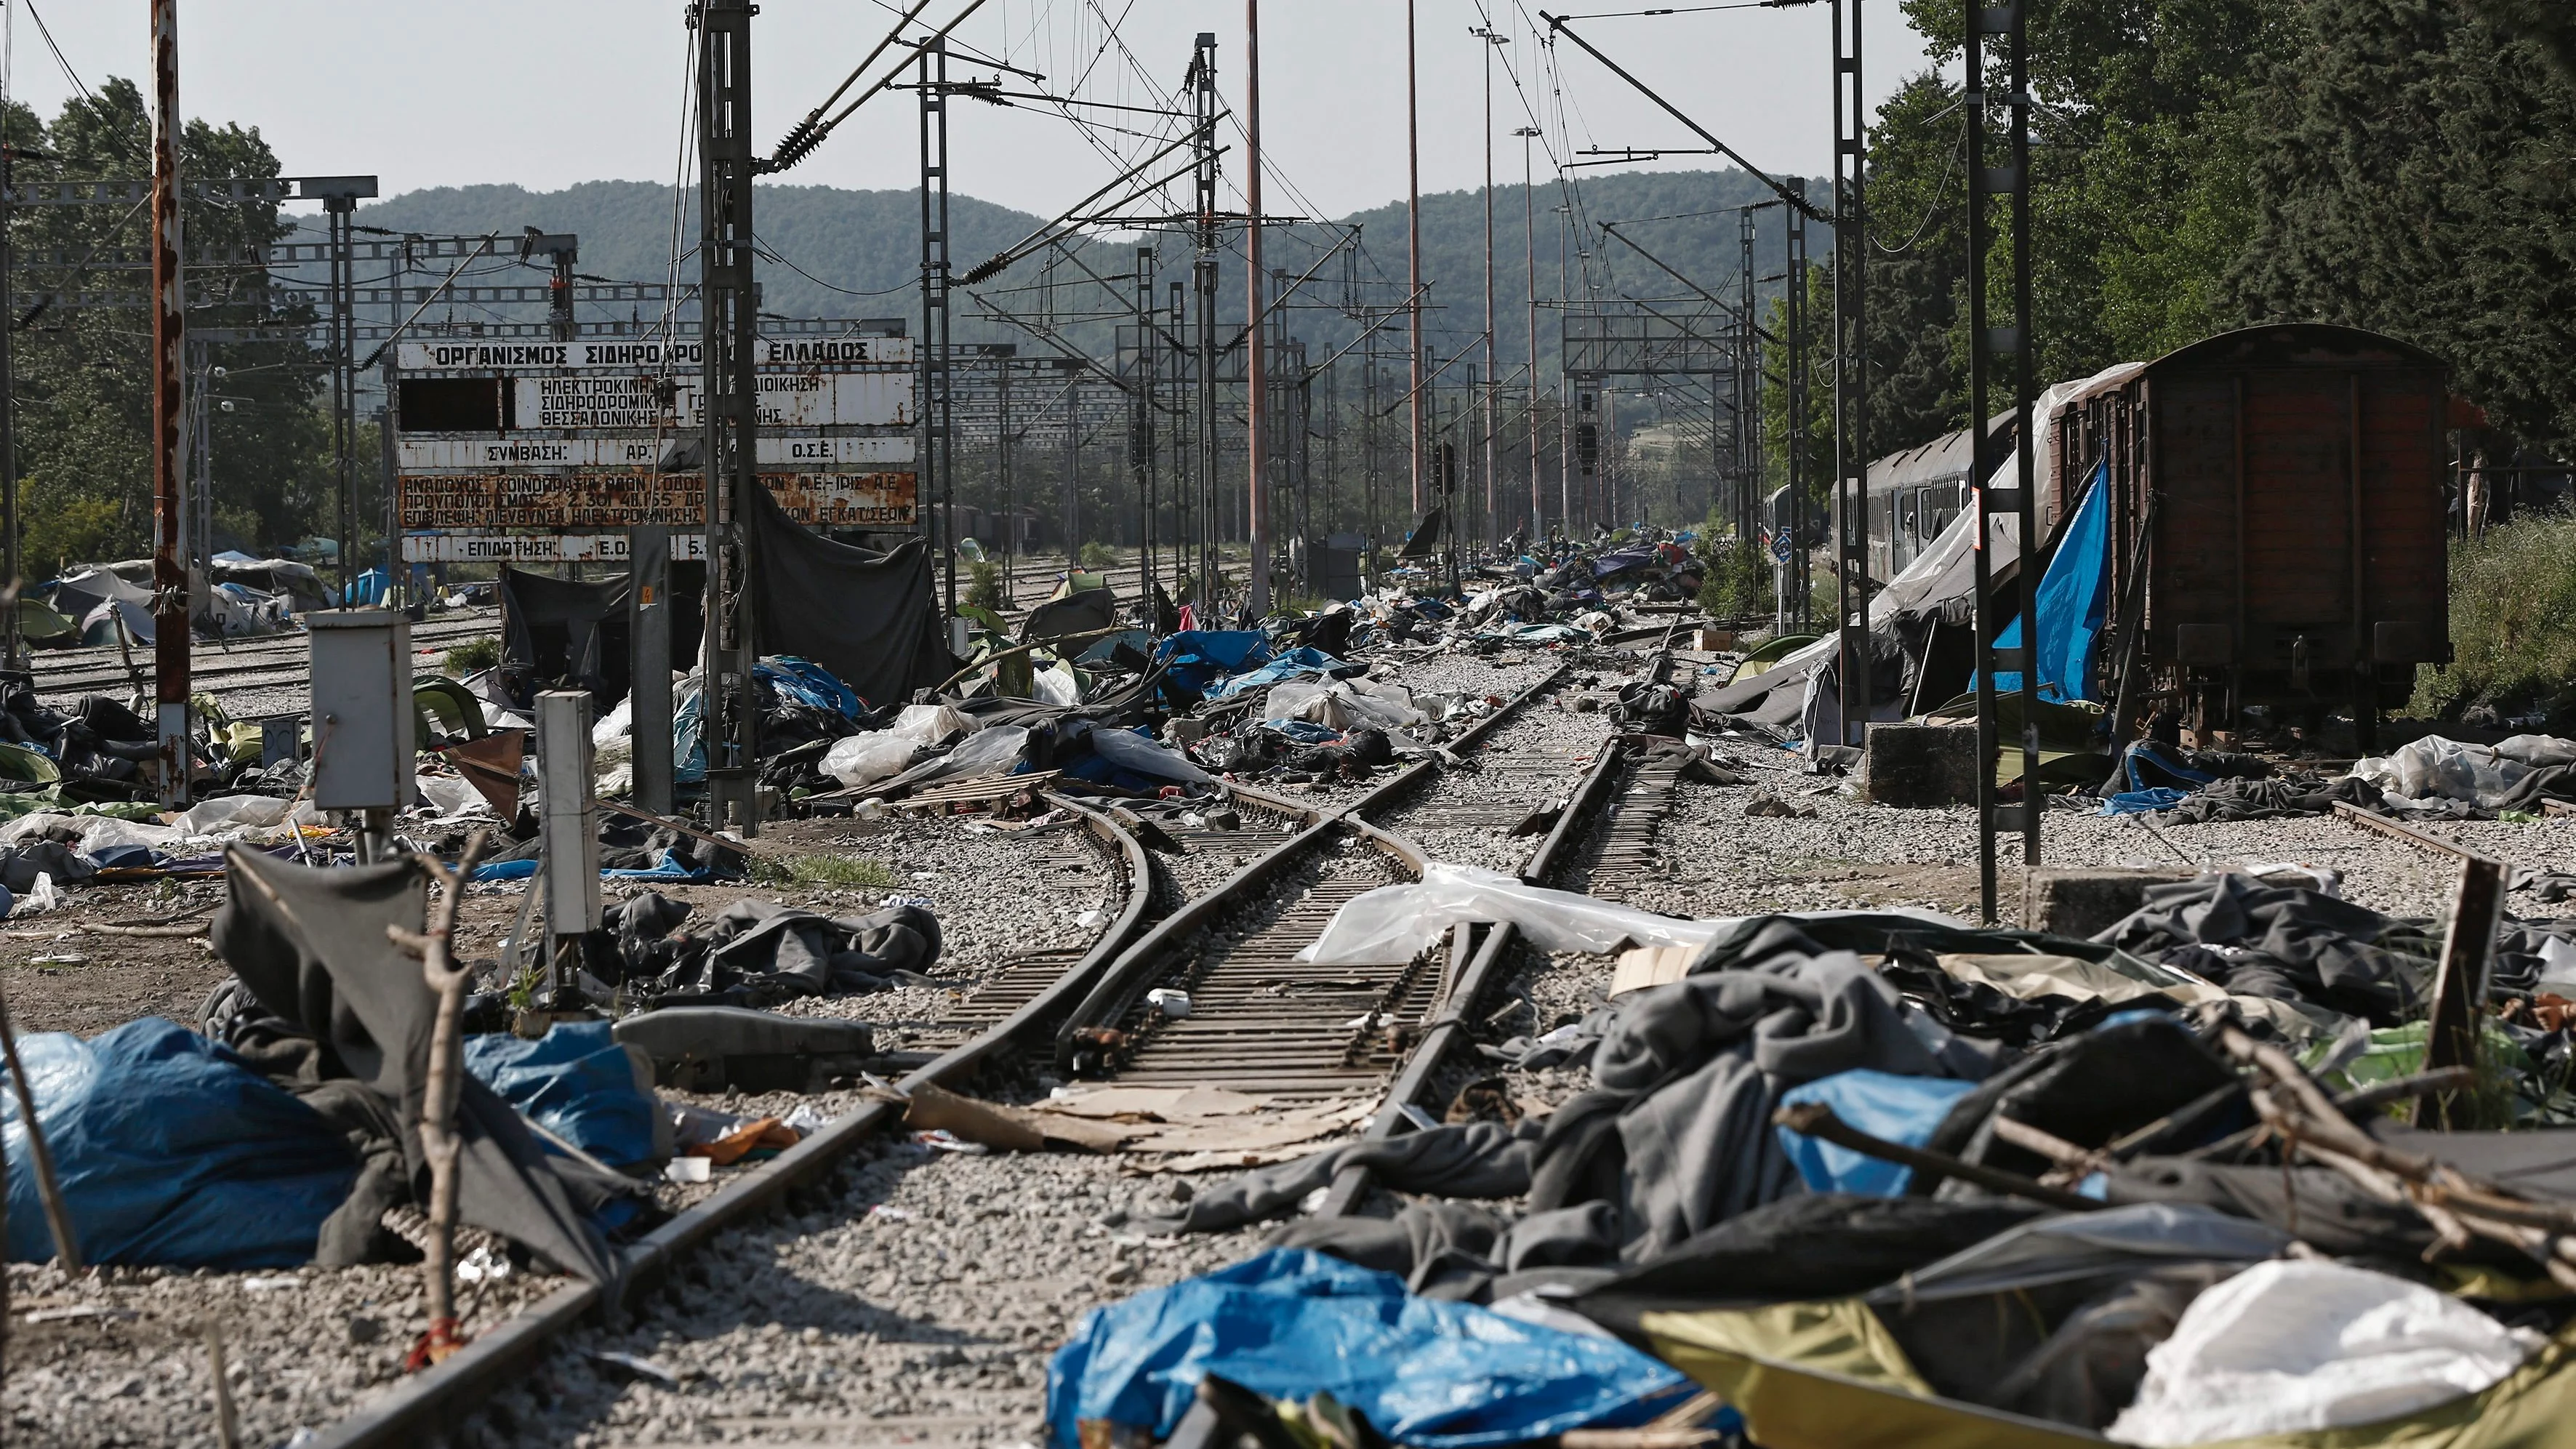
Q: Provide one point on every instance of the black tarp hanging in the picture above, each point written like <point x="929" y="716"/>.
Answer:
<point x="563" y="634"/>
<point x="865" y="616"/>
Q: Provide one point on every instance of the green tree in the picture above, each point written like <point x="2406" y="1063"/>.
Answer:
<point x="84" y="375"/>
<point x="2411" y="174"/>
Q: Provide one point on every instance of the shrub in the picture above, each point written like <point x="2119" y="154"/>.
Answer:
<point x="2513" y="627"/>
<point x="984" y="586"/>
<point x="471" y="656"/>
<point x="1097" y="557"/>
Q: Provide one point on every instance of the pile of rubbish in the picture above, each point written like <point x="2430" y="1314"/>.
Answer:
<point x="285" y="1129"/>
<point x="111" y="604"/>
<point x="1887" y="1178"/>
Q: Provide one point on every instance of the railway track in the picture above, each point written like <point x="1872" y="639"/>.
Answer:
<point x="1258" y="1023"/>
<point x="273" y="662"/>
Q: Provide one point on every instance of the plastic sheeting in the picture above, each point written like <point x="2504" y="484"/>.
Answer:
<point x="1393" y="923"/>
<point x="2289" y="1346"/>
<point x="1134" y="754"/>
<point x="1200" y="657"/>
<point x="1886" y="1106"/>
<point x="1299" y="663"/>
<point x="2070" y="602"/>
<point x="170" y="1152"/>
<point x="1294" y="1323"/>
<point x="578" y="1083"/>
<point x="2434" y="768"/>
<point x="1343" y="704"/>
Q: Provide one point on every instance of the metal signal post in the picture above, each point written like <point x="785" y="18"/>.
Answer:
<point x="728" y="722"/>
<point x="1986" y="343"/>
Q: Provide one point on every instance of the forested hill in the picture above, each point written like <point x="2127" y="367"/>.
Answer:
<point x="846" y="253"/>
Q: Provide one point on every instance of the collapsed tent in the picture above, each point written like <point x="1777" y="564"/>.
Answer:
<point x="865" y="616"/>
<point x="341" y="1017"/>
<point x="567" y="634"/>
<point x="1934" y="590"/>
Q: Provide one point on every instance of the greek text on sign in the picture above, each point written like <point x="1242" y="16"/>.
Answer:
<point x="425" y="454"/>
<point x="642" y="354"/>
<point x="786" y="400"/>
<point x="538" y="547"/>
<point x="577" y="501"/>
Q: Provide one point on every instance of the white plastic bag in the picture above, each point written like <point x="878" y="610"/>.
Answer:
<point x="615" y="724"/>
<point x="2288" y="1346"/>
<point x="862" y="760"/>
<point x="40" y="897"/>
<point x="1392" y="923"/>
<point x="932" y="723"/>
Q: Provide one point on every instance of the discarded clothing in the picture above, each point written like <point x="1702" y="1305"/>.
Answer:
<point x="1292" y="1324"/>
<point x="2512" y="774"/>
<point x="2272" y="799"/>
<point x="757" y="953"/>
<point x="2281" y="943"/>
<point x="170" y="1153"/>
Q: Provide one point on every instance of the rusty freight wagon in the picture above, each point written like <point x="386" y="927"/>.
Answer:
<point x="2276" y="521"/>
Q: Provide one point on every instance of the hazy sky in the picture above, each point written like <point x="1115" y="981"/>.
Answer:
<point x="550" y="92"/>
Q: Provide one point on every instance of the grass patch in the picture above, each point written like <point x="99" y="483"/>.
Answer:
<point x="2513" y="629"/>
<point x="841" y="872"/>
<point x="1098" y="557"/>
<point x="472" y="655"/>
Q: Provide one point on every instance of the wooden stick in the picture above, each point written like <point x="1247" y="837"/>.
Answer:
<point x="2451" y="1038"/>
<point x="227" y="1423"/>
<point x="438" y="1138"/>
<point x="49" y="1188"/>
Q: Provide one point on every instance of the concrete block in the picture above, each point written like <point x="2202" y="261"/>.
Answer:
<point x="1920" y="765"/>
<point x="2082" y="900"/>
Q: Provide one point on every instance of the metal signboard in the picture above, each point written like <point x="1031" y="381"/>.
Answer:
<point x="779" y="451"/>
<point x="521" y="548"/>
<point x="502" y="436"/>
<point x="637" y="354"/>
<point x="609" y="401"/>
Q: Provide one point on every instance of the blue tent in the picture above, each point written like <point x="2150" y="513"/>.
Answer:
<point x="2071" y="596"/>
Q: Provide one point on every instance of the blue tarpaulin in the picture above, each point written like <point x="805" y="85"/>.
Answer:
<point x="1292" y="1323"/>
<point x="1201" y="657"/>
<point x="575" y="1081"/>
<point x="1882" y="1104"/>
<point x="1298" y="663"/>
<point x="170" y="1152"/>
<point x="2071" y="597"/>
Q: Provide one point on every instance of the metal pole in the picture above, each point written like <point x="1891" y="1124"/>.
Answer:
<point x="1149" y="371"/>
<point x="2025" y="390"/>
<point x="1257" y="377"/>
<point x="1203" y="71"/>
<point x="1413" y="250"/>
<point x="937" y="465"/>
<point x="728" y="328"/>
<point x="338" y="212"/>
<point x="387" y="451"/>
<point x="1851" y="387"/>
<point x="169" y="577"/>
<point x="1529" y="235"/>
<point x="13" y="653"/>
<point x="1493" y="373"/>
